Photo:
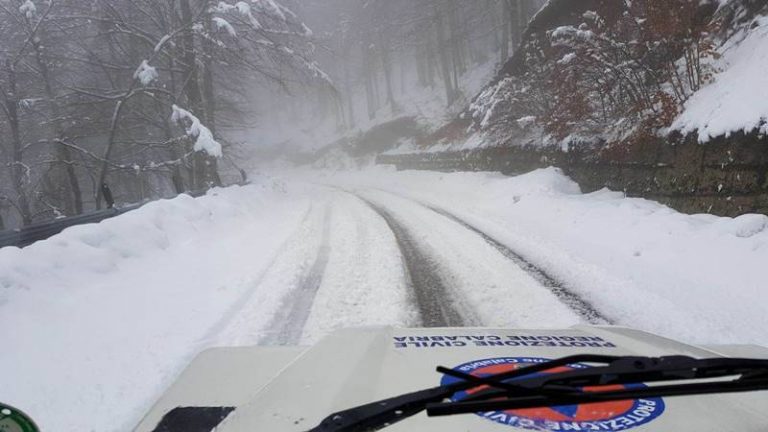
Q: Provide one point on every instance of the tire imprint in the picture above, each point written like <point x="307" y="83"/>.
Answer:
<point x="229" y="316"/>
<point x="579" y="305"/>
<point x="428" y="290"/>
<point x="288" y="323"/>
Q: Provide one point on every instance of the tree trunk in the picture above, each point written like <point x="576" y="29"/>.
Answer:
<point x="521" y="13"/>
<point x="374" y="79"/>
<point x="421" y="66"/>
<point x="177" y="178"/>
<point x="492" y="6"/>
<point x="506" y="23"/>
<point x="18" y="171"/>
<point x="387" y="64"/>
<point x="429" y="58"/>
<point x="369" y="92"/>
<point x="114" y="121"/>
<point x="443" y="53"/>
<point x="456" y="48"/>
<point x="208" y="86"/>
<point x="403" y="77"/>
<point x="74" y="198"/>
<point x="104" y="169"/>
<point x="209" y="97"/>
<point x="205" y="171"/>
<point x="349" y="89"/>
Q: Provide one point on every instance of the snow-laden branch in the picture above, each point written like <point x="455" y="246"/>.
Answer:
<point x="274" y="8"/>
<point x="271" y="12"/>
<point x="145" y="73"/>
<point x="204" y="140"/>
<point x="163" y="40"/>
<point x="242" y="8"/>
<point x="28" y="9"/>
<point x="260" y="13"/>
<point x="221" y="23"/>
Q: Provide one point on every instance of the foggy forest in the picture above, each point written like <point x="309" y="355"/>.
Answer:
<point x="157" y="98"/>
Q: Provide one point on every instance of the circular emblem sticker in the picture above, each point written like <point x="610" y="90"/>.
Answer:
<point x="603" y="416"/>
<point x="13" y="420"/>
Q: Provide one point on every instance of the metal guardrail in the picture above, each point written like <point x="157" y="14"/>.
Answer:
<point x="29" y="234"/>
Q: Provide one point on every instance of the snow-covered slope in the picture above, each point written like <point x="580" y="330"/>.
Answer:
<point x="738" y="98"/>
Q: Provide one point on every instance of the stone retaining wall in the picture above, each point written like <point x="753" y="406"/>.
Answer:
<point x="727" y="176"/>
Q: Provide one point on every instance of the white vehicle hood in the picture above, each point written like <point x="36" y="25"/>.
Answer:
<point x="293" y="389"/>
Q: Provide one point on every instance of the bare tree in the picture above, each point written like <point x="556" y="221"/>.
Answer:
<point x="88" y="90"/>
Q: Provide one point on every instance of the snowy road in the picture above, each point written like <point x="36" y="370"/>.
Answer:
<point x="369" y="257"/>
<point x="436" y="307"/>
<point x="582" y="307"/>
<point x="455" y="272"/>
<point x="341" y="268"/>
<point x="108" y="315"/>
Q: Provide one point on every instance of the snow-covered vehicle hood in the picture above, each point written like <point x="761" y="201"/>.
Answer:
<point x="291" y="389"/>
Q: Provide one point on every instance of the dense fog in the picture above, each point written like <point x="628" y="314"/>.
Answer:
<point x="156" y="98"/>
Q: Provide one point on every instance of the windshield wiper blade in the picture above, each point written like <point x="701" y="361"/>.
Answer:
<point x="565" y="388"/>
<point x="378" y="415"/>
<point x="517" y="389"/>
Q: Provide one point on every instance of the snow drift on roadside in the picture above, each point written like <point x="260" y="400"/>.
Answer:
<point x="98" y="320"/>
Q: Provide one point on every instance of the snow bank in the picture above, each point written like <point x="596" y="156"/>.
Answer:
<point x="697" y="278"/>
<point x="98" y="320"/>
<point x="736" y="101"/>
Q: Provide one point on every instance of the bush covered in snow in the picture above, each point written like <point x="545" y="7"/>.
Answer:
<point x="616" y="71"/>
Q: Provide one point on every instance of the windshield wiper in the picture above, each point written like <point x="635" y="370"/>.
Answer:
<point x="518" y="389"/>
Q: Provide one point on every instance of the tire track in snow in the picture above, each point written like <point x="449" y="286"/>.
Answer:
<point x="579" y="305"/>
<point x="364" y="283"/>
<point x="288" y="323"/>
<point x="241" y="303"/>
<point x="582" y="307"/>
<point x="431" y="296"/>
